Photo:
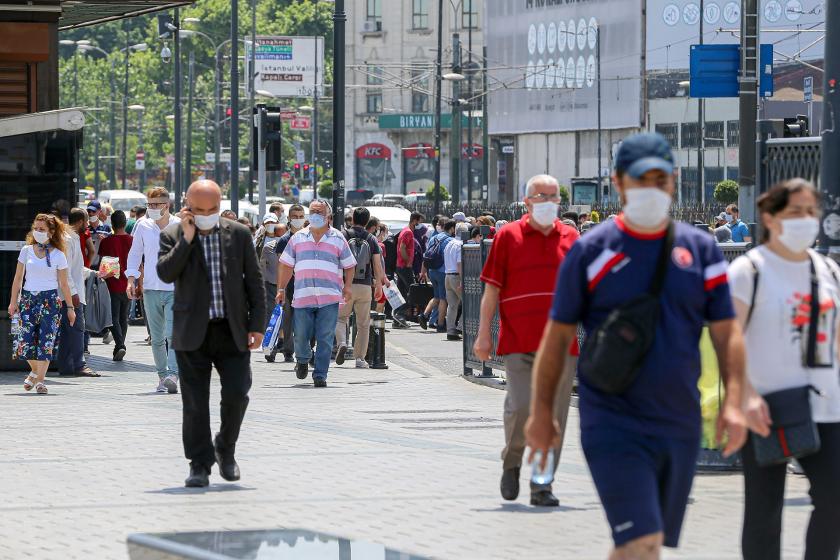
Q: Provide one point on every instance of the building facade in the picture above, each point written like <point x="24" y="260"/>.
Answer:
<point x="391" y="73"/>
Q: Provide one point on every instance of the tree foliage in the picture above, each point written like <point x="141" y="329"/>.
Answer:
<point x="726" y="192"/>
<point x="444" y="193"/>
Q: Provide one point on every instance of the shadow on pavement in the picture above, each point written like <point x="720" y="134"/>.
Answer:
<point x="522" y="508"/>
<point x="212" y="489"/>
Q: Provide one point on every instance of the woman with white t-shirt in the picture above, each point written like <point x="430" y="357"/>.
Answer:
<point x="773" y="287"/>
<point x="41" y="272"/>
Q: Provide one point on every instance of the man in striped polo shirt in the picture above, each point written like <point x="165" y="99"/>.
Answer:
<point x="519" y="278"/>
<point x="323" y="267"/>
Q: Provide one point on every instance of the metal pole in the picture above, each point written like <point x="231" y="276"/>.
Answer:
<point x="455" y="133"/>
<point x="469" y="116"/>
<point x="701" y="128"/>
<point x="262" y="155"/>
<point x="485" y="134"/>
<point x="79" y="174"/>
<point x="340" y="20"/>
<point x="142" y="184"/>
<point x="830" y="165"/>
<point x="217" y="145"/>
<point x="315" y="113"/>
<point x="125" y="113"/>
<point x="96" y="140"/>
<point x="748" y="109"/>
<point x="177" y="176"/>
<point x="438" y="105"/>
<point x="188" y="160"/>
<point x="251" y="94"/>
<point x="112" y="163"/>
<point x="600" y="103"/>
<point x="234" y="107"/>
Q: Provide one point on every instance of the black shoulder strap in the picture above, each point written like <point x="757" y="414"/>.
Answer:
<point x="662" y="263"/>
<point x="813" y="326"/>
<point x="754" y="291"/>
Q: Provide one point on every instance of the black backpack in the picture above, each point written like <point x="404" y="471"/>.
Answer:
<point x="360" y="247"/>
<point x="613" y="353"/>
<point x="391" y="254"/>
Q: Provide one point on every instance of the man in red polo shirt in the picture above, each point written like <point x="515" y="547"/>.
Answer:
<point x="519" y="277"/>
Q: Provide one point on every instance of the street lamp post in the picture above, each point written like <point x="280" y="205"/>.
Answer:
<point x="234" y="105"/>
<point x="340" y="20"/>
<point x="188" y="160"/>
<point x="128" y="48"/>
<point x="85" y="46"/>
<point x="140" y="112"/>
<point x="438" y="105"/>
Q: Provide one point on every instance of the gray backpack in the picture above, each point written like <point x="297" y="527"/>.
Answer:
<point x="361" y="252"/>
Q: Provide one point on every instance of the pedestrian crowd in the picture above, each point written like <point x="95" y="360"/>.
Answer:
<point x="642" y="287"/>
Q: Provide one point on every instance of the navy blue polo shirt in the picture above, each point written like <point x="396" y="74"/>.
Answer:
<point x="611" y="265"/>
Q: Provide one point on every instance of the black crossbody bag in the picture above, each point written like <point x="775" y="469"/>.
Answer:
<point x="613" y="353"/>
<point x="794" y="433"/>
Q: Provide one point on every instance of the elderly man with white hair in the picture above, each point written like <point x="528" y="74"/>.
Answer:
<point x="519" y="278"/>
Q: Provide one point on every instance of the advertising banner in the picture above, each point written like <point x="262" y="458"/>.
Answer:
<point x="285" y="66"/>
<point x="544" y="64"/>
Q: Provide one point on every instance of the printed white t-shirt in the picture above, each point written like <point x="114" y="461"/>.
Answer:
<point x="39" y="276"/>
<point x="777" y="335"/>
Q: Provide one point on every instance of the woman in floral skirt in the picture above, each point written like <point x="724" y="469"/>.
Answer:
<point x="41" y="272"/>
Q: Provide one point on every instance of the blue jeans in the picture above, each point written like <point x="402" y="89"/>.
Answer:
<point x="71" y="343"/>
<point x="320" y="322"/>
<point x="158" y="307"/>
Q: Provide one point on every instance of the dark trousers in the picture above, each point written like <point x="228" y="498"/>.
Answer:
<point x="234" y="367"/>
<point x="71" y="343"/>
<point x="288" y="320"/>
<point x="764" y="498"/>
<point x="119" y="318"/>
<point x="405" y="278"/>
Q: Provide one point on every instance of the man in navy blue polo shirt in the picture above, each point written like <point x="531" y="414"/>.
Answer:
<point x="641" y="445"/>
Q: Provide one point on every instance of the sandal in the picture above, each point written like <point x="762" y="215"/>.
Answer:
<point x="41" y="389"/>
<point x="30" y="381"/>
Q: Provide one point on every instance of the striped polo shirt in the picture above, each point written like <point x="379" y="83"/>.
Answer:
<point x="319" y="267"/>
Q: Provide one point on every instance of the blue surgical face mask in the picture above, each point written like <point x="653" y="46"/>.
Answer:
<point x="317" y="221"/>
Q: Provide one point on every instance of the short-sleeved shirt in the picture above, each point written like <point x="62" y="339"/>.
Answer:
<point x="357" y="232"/>
<point x="269" y="260"/>
<point x="611" y="265"/>
<point x="723" y="234"/>
<point x="83" y="238"/>
<point x="40" y="277"/>
<point x="523" y="263"/>
<point x="452" y="256"/>
<point x="318" y="267"/>
<point x="117" y="246"/>
<point x="739" y="231"/>
<point x="406" y="238"/>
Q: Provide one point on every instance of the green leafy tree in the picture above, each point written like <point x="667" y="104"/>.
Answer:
<point x="726" y="192"/>
<point x="325" y="189"/>
<point x="565" y="197"/>
<point x="444" y="193"/>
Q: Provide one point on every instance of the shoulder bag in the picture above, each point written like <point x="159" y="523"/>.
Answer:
<point x="613" y="353"/>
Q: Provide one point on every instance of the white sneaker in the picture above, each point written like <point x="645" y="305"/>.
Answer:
<point x="108" y="338"/>
<point x="161" y="388"/>
<point x="170" y="382"/>
<point x="361" y="363"/>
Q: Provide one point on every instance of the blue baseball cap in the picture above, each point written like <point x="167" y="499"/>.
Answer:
<point x="644" y="152"/>
<point x="94" y="206"/>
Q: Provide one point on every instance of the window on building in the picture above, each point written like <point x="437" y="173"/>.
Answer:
<point x="374" y="75"/>
<point x="374" y="10"/>
<point x="733" y="133"/>
<point x="711" y="177"/>
<point x="469" y="14"/>
<point x="689" y="135"/>
<point x="671" y="132"/>
<point x="374" y="102"/>
<point x="688" y="184"/>
<point x="714" y="134"/>
<point x="420" y="14"/>
<point x="420" y="81"/>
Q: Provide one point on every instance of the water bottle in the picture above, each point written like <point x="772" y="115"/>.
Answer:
<point x="15" y="325"/>
<point x="542" y="477"/>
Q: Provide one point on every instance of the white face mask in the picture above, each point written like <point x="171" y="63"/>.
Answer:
<point x="317" y="221"/>
<point x="439" y="229"/>
<point x="297" y="223"/>
<point x="205" y="223"/>
<point x="544" y="213"/>
<point x="418" y="227"/>
<point x="41" y="236"/>
<point x="283" y="219"/>
<point x="798" y="234"/>
<point x="154" y="213"/>
<point x="269" y="228"/>
<point x="729" y="218"/>
<point x="647" y="206"/>
<point x="94" y="219"/>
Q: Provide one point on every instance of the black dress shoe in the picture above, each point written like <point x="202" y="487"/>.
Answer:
<point x="544" y="498"/>
<point x="227" y="465"/>
<point x="510" y="484"/>
<point x="302" y="370"/>
<point x="320" y="382"/>
<point x="288" y="358"/>
<point x="424" y="323"/>
<point x="199" y="477"/>
<point x="453" y="337"/>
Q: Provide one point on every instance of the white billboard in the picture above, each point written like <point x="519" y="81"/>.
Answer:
<point x="544" y="65"/>
<point x="285" y="66"/>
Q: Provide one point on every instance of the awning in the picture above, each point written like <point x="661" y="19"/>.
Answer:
<point x="89" y="12"/>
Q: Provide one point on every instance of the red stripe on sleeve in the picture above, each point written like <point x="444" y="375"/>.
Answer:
<point x="607" y="267"/>
<point x="713" y="283"/>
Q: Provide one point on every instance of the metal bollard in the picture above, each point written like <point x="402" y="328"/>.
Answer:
<point x="376" y="344"/>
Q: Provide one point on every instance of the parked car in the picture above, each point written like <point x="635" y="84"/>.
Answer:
<point x="390" y="198"/>
<point x="123" y="200"/>
<point x="395" y="217"/>
<point x="414" y="198"/>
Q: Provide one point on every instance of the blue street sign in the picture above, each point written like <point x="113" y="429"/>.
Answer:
<point x="715" y="70"/>
<point x="809" y="89"/>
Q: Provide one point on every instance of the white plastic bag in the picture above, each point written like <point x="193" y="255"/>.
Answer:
<point x="394" y="297"/>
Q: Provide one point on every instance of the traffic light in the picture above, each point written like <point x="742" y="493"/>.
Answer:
<point x="797" y="127"/>
<point x="271" y="133"/>
<point x="305" y="170"/>
<point x="297" y="171"/>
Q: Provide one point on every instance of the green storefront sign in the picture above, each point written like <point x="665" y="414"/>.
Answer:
<point x="422" y="121"/>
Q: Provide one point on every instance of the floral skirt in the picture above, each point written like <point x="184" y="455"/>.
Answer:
<point x="40" y="320"/>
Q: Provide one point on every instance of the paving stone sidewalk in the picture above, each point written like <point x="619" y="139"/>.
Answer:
<point x="407" y="457"/>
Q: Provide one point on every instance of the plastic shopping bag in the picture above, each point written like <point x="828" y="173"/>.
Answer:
<point x="275" y="326"/>
<point x="395" y="298"/>
<point x="109" y="266"/>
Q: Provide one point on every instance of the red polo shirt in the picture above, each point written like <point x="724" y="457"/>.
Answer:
<point x="523" y="263"/>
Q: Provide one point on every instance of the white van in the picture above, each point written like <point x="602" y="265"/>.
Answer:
<point x="123" y="200"/>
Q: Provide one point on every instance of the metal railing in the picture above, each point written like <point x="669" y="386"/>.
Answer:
<point x="786" y="158"/>
<point x="473" y="257"/>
